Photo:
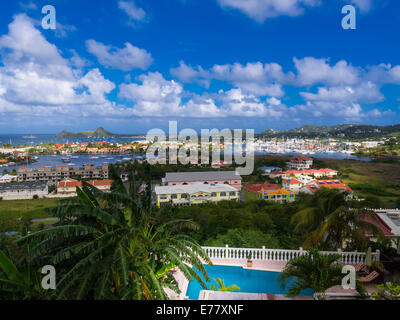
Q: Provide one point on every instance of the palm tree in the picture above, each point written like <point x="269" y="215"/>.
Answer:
<point x="222" y="287"/>
<point x="313" y="271"/>
<point x="113" y="245"/>
<point x="328" y="222"/>
<point x="15" y="283"/>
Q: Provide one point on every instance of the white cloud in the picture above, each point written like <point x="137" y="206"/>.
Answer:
<point x="312" y="71"/>
<point x="125" y="59"/>
<point x="132" y="10"/>
<point x="36" y="80"/>
<point x="363" y="5"/>
<point x="260" y="10"/>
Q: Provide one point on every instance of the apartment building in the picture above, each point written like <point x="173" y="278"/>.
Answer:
<point x="54" y="175"/>
<point x="195" y="193"/>
<point x="23" y="190"/>
<point x="300" y="163"/>
<point x="68" y="186"/>
<point x="207" y="178"/>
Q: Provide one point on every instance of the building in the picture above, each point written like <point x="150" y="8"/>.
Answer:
<point x="7" y="178"/>
<point x="292" y="184"/>
<point x="194" y="193"/>
<point x="255" y="188"/>
<point x="54" y="175"/>
<point x="271" y="192"/>
<point x="68" y="186"/>
<point x="268" y="170"/>
<point x="313" y="187"/>
<point x="23" y="190"/>
<point x="210" y="177"/>
<point x="280" y="195"/>
<point x="300" y="163"/>
<point x="317" y="173"/>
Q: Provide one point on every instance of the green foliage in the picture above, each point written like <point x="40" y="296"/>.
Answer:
<point x="387" y="291"/>
<point x="113" y="245"/>
<point x="244" y="238"/>
<point x="270" y="219"/>
<point x="328" y="220"/>
<point x="220" y="286"/>
<point x="315" y="271"/>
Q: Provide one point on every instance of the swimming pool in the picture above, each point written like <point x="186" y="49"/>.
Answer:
<point x="252" y="281"/>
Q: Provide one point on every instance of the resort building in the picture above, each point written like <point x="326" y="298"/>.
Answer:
<point x="54" y="175"/>
<point x="7" y="178"/>
<point x="317" y="173"/>
<point x="281" y="195"/>
<point x="292" y="184"/>
<point x="313" y="187"/>
<point x="230" y="178"/>
<point x="195" y="193"/>
<point x="68" y="186"/>
<point x="272" y="192"/>
<point x="300" y="163"/>
<point x="23" y="190"/>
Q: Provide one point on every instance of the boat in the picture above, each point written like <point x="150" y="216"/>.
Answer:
<point x="127" y="159"/>
<point x="94" y="157"/>
<point x="66" y="160"/>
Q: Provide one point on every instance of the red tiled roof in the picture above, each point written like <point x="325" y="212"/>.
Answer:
<point x="69" y="183"/>
<point x="292" y="172"/>
<point x="98" y="183"/>
<point x="257" y="187"/>
<point x="331" y="184"/>
<point x="292" y="181"/>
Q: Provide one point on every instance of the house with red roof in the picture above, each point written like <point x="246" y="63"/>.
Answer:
<point x="292" y="184"/>
<point x="68" y="186"/>
<point x="314" y="186"/>
<point x="300" y="163"/>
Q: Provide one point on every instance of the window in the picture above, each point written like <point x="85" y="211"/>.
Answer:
<point x="206" y="182"/>
<point x="223" y="194"/>
<point x="232" y="193"/>
<point x="213" y="194"/>
<point x="184" y="183"/>
<point x="291" y="196"/>
<point x="226" y="182"/>
<point x="184" y="196"/>
<point x="163" y="197"/>
<point x="284" y="196"/>
<point x="174" y="196"/>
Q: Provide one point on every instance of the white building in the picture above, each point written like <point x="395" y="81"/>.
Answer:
<point x="23" y="190"/>
<point x="7" y="178"/>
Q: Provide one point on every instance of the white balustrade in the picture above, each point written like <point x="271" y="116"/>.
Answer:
<point x="264" y="254"/>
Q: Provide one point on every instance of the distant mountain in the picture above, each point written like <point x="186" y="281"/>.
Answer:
<point x="99" y="132"/>
<point x="349" y="131"/>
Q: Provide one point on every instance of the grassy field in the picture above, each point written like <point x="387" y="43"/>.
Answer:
<point x="375" y="179"/>
<point x="29" y="209"/>
<point x="368" y="179"/>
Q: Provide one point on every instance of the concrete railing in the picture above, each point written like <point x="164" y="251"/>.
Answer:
<point x="264" y="254"/>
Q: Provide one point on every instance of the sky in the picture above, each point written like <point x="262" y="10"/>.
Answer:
<point x="133" y="65"/>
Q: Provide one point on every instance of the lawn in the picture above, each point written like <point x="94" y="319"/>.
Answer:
<point x="28" y="209"/>
<point x="376" y="179"/>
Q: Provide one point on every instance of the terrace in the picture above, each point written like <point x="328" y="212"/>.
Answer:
<point x="271" y="260"/>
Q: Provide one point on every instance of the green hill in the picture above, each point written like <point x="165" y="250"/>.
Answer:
<point x="99" y="133"/>
<point x="349" y="131"/>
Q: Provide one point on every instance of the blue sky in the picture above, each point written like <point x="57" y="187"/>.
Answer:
<point x="131" y="66"/>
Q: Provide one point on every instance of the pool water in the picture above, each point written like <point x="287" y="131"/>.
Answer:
<point x="251" y="281"/>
